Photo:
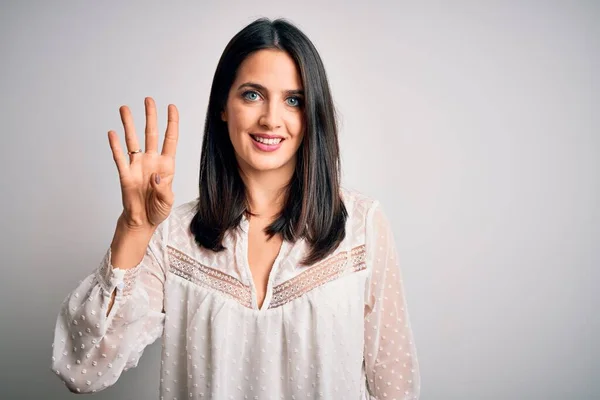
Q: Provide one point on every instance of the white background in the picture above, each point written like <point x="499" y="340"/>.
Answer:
<point x="475" y="123"/>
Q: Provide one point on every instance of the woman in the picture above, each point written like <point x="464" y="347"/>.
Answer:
<point x="275" y="283"/>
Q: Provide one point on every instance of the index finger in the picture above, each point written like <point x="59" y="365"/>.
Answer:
<point x="172" y="133"/>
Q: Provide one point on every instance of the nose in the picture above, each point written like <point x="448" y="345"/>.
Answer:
<point x="271" y="116"/>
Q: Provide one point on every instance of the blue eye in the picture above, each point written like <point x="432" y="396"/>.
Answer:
<point x="250" y="95"/>
<point x="294" y="101"/>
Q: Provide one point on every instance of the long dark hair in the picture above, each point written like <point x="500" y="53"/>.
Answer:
<point x="313" y="207"/>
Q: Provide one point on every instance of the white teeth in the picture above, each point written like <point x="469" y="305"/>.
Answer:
<point x="267" y="141"/>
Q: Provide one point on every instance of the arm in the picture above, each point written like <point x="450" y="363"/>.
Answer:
<point x="390" y="356"/>
<point x="107" y="321"/>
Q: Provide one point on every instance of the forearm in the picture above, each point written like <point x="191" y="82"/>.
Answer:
<point x="128" y="248"/>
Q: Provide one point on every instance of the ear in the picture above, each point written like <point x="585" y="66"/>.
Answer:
<point x="224" y="116"/>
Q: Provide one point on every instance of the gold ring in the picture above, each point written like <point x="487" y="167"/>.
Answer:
<point x="134" y="152"/>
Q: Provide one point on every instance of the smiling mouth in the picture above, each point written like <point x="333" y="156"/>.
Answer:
<point x="268" y="142"/>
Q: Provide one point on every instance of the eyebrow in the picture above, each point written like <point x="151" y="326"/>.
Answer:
<point x="260" y="87"/>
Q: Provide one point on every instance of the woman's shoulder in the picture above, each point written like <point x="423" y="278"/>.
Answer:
<point x="186" y="209"/>
<point x="360" y="208"/>
<point x="357" y="202"/>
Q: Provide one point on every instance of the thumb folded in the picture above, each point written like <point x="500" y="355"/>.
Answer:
<point x="161" y="190"/>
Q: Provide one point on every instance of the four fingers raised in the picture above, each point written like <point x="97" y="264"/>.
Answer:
<point x="131" y="140"/>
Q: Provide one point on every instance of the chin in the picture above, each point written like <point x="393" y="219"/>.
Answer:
<point x="266" y="165"/>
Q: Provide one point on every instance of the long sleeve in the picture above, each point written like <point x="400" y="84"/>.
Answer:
<point x="91" y="349"/>
<point x="390" y="357"/>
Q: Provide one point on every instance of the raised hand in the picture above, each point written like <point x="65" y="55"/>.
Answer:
<point x="147" y="176"/>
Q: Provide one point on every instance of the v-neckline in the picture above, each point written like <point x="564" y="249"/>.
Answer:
<point x="245" y="229"/>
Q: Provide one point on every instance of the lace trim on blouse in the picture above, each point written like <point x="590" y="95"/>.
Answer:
<point x="328" y="270"/>
<point x="187" y="268"/>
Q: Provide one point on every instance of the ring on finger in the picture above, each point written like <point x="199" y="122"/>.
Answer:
<point x="134" y="152"/>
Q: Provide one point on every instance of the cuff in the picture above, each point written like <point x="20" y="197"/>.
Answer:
<point x="111" y="278"/>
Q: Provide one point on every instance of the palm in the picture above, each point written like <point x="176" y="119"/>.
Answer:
<point x="143" y="167"/>
<point x="143" y="205"/>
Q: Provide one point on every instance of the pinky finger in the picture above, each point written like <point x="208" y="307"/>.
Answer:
<point x="118" y="156"/>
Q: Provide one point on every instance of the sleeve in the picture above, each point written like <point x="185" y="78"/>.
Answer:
<point x="91" y="349"/>
<point x="390" y="356"/>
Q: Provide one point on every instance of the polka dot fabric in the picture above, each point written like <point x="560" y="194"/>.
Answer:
<point x="338" y="329"/>
<point x="390" y="355"/>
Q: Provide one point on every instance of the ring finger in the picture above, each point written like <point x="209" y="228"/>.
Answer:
<point x="131" y="140"/>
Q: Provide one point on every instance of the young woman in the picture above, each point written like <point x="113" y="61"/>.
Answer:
<point x="275" y="283"/>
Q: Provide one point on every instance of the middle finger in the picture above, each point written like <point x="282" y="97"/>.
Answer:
<point x="151" y="130"/>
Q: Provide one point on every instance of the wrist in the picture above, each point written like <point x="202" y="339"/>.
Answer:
<point x="126" y="229"/>
<point x="129" y="245"/>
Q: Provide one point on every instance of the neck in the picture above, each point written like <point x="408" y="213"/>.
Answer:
<point x="266" y="190"/>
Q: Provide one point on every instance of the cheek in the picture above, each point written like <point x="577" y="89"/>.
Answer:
<point x="296" y="126"/>
<point x="240" y="118"/>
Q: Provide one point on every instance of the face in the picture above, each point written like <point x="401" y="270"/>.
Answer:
<point x="264" y="113"/>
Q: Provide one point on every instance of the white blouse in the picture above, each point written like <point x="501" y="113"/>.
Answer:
<point x="338" y="329"/>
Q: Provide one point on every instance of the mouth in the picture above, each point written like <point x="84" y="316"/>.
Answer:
<point x="267" y="141"/>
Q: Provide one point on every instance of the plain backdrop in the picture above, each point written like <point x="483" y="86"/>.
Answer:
<point x="475" y="123"/>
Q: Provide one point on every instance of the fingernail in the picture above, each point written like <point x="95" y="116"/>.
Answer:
<point x="157" y="179"/>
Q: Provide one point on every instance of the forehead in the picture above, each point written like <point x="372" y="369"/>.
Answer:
<point x="272" y="68"/>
